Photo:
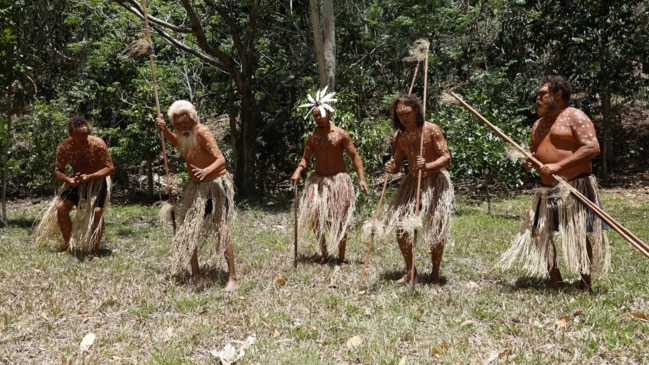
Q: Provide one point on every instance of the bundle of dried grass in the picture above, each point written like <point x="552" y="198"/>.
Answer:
<point x="139" y="48"/>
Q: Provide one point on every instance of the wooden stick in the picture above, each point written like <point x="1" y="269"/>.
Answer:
<point x="418" y="195"/>
<point x="295" y="229"/>
<point x="147" y="33"/>
<point x="376" y="214"/>
<point x="620" y="229"/>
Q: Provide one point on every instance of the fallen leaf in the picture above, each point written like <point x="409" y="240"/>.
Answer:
<point x="439" y="349"/>
<point x="354" y="342"/>
<point x="87" y="341"/>
<point x="466" y="323"/>
<point x="280" y="281"/>
<point x="44" y="316"/>
<point x="563" y="321"/>
<point x="638" y="315"/>
<point x="495" y="355"/>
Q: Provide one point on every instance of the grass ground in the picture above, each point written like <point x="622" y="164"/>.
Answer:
<point x="124" y="308"/>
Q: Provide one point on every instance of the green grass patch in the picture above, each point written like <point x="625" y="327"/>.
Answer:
<point x="317" y="314"/>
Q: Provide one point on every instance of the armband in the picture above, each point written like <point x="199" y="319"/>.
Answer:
<point x="302" y="166"/>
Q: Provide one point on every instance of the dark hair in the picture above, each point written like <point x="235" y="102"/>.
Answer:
<point x="558" y="82"/>
<point x="411" y="101"/>
<point x="76" y="122"/>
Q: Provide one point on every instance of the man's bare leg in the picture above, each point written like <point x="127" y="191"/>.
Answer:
<point x="555" y="275"/>
<point x="98" y="223"/>
<point x="436" y="257"/>
<point x="232" y="275"/>
<point x="342" y="247"/>
<point x="406" y="251"/>
<point x="323" y="248"/>
<point x="194" y="263"/>
<point x="584" y="284"/>
<point x="65" y="223"/>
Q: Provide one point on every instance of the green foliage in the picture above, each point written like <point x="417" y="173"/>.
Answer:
<point x="42" y="134"/>
<point x="478" y="154"/>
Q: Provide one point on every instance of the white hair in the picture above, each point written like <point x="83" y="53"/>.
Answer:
<point x="183" y="106"/>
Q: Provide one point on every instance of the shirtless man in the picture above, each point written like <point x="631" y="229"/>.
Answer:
<point x="208" y="201"/>
<point x="327" y="203"/>
<point x="436" y="198"/>
<point x="564" y="140"/>
<point x="87" y="188"/>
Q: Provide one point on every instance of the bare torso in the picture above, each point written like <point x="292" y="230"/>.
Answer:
<point x="567" y="142"/>
<point x="434" y="148"/>
<point x="84" y="158"/>
<point x="205" y="161"/>
<point x="328" y="145"/>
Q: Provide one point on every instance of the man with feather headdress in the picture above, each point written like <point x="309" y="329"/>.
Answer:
<point x="208" y="200"/>
<point x="327" y="203"/>
<point x="436" y="196"/>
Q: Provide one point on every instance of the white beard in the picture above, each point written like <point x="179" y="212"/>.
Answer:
<point x="187" y="142"/>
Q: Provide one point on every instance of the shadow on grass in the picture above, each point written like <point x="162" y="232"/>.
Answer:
<point x="541" y="284"/>
<point x="209" y="277"/>
<point x="22" y="222"/>
<point x="424" y="279"/>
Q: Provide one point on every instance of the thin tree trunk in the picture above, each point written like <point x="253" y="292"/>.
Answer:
<point x="329" y="40"/>
<point x="5" y="171"/>
<point x="606" y="146"/>
<point x="318" y="43"/>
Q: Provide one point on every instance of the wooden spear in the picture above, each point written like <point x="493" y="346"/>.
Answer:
<point x="421" y="152"/>
<point x="147" y="33"/>
<point x="295" y="228"/>
<point x="623" y="231"/>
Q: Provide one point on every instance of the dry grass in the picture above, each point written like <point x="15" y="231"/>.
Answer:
<point x="316" y="314"/>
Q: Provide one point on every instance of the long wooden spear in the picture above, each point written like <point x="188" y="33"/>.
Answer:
<point x="421" y="152"/>
<point x="623" y="231"/>
<point x="295" y="228"/>
<point x="147" y="33"/>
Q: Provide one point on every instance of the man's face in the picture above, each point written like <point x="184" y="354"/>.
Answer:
<point x="320" y="121"/>
<point x="183" y="124"/>
<point x="79" y="132"/>
<point x="407" y="114"/>
<point x="546" y="100"/>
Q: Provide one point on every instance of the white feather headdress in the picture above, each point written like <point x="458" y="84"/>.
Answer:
<point x="320" y="102"/>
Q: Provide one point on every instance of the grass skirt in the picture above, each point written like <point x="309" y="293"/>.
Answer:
<point x="437" y="203"/>
<point x="83" y="235"/>
<point x="326" y="207"/>
<point x="534" y="247"/>
<point x="207" y="212"/>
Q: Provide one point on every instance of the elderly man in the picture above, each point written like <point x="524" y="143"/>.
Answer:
<point x="208" y="201"/>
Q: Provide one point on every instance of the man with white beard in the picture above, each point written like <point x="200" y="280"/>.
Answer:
<point x="208" y="200"/>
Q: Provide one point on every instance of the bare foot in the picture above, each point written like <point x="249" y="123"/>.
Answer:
<point x="405" y="279"/>
<point x="434" y="278"/>
<point x="323" y="259"/>
<point x="232" y="285"/>
<point x="341" y="261"/>
<point x="583" y="285"/>
<point x="552" y="285"/>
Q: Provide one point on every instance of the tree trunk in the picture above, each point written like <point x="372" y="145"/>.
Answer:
<point x="318" y="43"/>
<point x="5" y="171"/>
<point x="247" y="184"/>
<point x="606" y="145"/>
<point x="329" y="40"/>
